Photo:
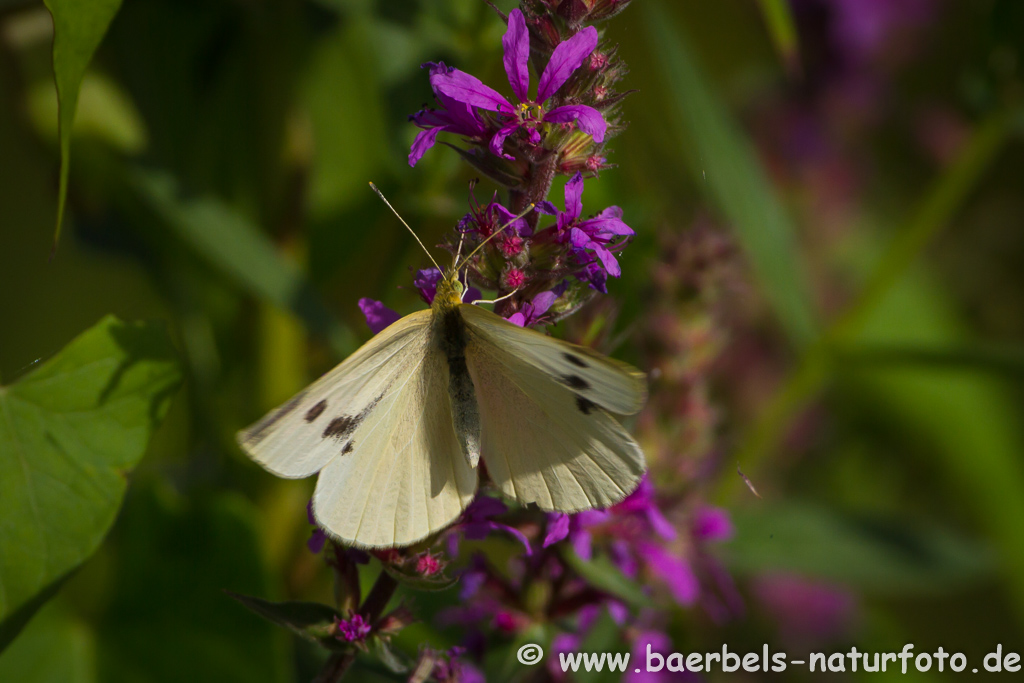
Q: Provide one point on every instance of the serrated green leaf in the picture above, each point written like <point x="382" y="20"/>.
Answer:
<point x="723" y="161"/>
<point x="69" y="433"/>
<point x="600" y="573"/>
<point x="78" y="28"/>
<point x="883" y="556"/>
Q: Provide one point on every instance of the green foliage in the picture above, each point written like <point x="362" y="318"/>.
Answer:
<point x="78" y="28"/>
<point x="873" y="554"/>
<point x="168" y="618"/>
<point x="70" y="433"/>
<point x="723" y="163"/>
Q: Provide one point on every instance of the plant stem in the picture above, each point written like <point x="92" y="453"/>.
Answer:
<point x="335" y="668"/>
<point x="383" y="588"/>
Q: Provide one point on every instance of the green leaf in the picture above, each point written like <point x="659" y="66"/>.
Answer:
<point x="779" y="19"/>
<point x="723" y="162"/>
<point x="313" y="621"/>
<point x="231" y="243"/>
<point x="69" y="433"/>
<point x="169" y="620"/>
<point x="600" y="573"/>
<point x="78" y="28"/>
<point x="54" y="647"/>
<point x="878" y="555"/>
<point x="437" y="582"/>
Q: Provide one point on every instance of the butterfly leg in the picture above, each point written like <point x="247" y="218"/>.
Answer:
<point x="494" y="301"/>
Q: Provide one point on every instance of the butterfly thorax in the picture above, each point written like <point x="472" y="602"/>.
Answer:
<point x="449" y="293"/>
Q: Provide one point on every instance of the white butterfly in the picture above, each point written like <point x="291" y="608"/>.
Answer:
<point x="397" y="430"/>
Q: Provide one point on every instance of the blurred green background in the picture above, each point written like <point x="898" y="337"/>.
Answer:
<point x="864" y="159"/>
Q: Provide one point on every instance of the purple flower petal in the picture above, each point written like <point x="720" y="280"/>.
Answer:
<point x="712" y="524"/>
<point x="558" y="527"/>
<point x="606" y="226"/>
<point x="566" y="58"/>
<point x="574" y="197"/>
<point x="659" y="523"/>
<point x="583" y="545"/>
<point x="543" y="301"/>
<point x="425" y="139"/>
<point x="516" y="44"/>
<point x="589" y="120"/>
<point x="674" y="571"/>
<point x="498" y="141"/>
<point x="519" y="320"/>
<point x="378" y="316"/>
<point x="462" y="87"/>
<point x="546" y="208"/>
<point x="426" y="281"/>
<point x="608" y="260"/>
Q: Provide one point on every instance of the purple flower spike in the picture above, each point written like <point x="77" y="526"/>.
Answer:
<point x="378" y="316"/>
<point x="459" y="93"/>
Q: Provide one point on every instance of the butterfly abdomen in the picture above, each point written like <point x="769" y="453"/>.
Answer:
<point x="450" y="333"/>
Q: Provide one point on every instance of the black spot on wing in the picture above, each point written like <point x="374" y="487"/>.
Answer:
<point x="574" y="359"/>
<point x="316" y="411"/>
<point x="585" y="406"/>
<point x="350" y="446"/>
<point x="576" y="382"/>
<point x="340" y="427"/>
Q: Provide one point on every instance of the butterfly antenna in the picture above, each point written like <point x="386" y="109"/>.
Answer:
<point x="384" y="199"/>
<point x="493" y="235"/>
<point x="458" y="252"/>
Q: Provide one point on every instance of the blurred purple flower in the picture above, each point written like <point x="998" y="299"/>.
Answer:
<point x="638" y="535"/>
<point x="353" y="629"/>
<point x="318" y="537"/>
<point x="378" y="316"/>
<point x="529" y="114"/>
<point x="711" y="524"/>
<point x="806" y="612"/>
<point x="863" y="27"/>
<point x="476" y="523"/>
<point x="595" y="234"/>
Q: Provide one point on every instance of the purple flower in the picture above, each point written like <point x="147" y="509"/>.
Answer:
<point x="452" y="116"/>
<point x="378" y="316"/>
<point x="354" y="629"/>
<point x="711" y="524"/>
<point x="477" y="524"/>
<point x="533" y="312"/>
<point x="595" y="234"/>
<point x="318" y="537"/>
<point x="529" y="115"/>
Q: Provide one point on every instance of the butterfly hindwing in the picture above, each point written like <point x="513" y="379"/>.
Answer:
<point x="615" y="386"/>
<point x="545" y="440"/>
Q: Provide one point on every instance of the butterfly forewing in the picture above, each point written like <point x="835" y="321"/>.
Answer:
<point x="406" y="476"/>
<point x="544" y="440"/>
<point x="297" y="439"/>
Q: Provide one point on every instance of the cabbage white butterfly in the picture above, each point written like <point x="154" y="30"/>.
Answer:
<point x="398" y="429"/>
